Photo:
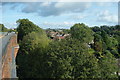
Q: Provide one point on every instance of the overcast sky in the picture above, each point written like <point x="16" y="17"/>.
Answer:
<point x="60" y="14"/>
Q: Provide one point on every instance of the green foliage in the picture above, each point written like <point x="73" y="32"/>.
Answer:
<point x="25" y="27"/>
<point x="30" y="53"/>
<point x="33" y="41"/>
<point x="82" y="32"/>
<point x="115" y="53"/>
<point x="104" y="41"/>
<point x="106" y="29"/>
<point x="98" y="43"/>
<point x="96" y="29"/>
<point x="3" y="29"/>
<point x="66" y="31"/>
<point x="12" y="30"/>
<point x="70" y="59"/>
<point x="38" y="57"/>
<point x="108" y="66"/>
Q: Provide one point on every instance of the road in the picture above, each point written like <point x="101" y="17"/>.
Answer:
<point x="4" y="41"/>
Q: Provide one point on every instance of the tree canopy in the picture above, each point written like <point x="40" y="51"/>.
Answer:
<point x="82" y="32"/>
<point x="25" y="27"/>
<point x="73" y="57"/>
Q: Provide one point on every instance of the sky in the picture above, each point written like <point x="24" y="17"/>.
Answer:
<point x="59" y="14"/>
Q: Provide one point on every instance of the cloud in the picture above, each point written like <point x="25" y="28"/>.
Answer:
<point x="0" y="6"/>
<point x="58" y="23"/>
<point x="12" y="5"/>
<point x="103" y="4"/>
<point x="106" y="16"/>
<point x="77" y="17"/>
<point x="19" y="0"/>
<point x="45" y="9"/>
<point x="60" y="0"/>
<point x="64" y="24"/>
<point x="10" y="25"/>
<point x="55" y="8"/>
<point x="1" y="13"/>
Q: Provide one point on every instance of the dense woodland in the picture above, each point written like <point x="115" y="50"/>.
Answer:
<point x="89" y="52"/>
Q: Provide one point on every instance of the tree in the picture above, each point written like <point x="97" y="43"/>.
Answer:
<point x="30" y="54"/>
<point x="108" y="65"/>
<point x="96" y="29"/>
<point x="3" y="28"/>
<point x="117" y="27"/>
<point x="82" y="32"/>
<point x="106" y="29"/>
<point x="117" y="37"/>
<point x="106" y="39"/>
<point x="70" y="59"/>
<point x="25" y="27"/>
<point x="32" y="45"/>
<point x="98" y="43"/>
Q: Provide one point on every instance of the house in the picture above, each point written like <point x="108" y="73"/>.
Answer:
<point x="56" y="35"/>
